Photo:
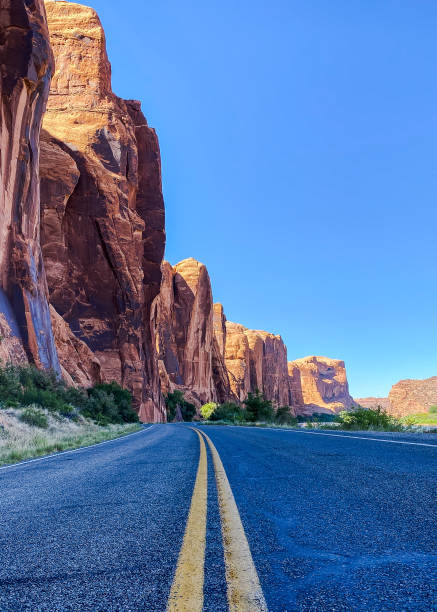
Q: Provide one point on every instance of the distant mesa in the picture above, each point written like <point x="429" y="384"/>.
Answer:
<point x="372" y="402"/>
<point x="406" y="397"/>
<point x="413" y="396"/>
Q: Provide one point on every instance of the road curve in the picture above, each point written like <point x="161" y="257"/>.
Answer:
<point x="338" y="522"/>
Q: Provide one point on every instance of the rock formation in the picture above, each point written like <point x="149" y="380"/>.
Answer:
<point x="94" y="250"/>
<point x="319" y="384"/>
<point x="372" y="402"/>
<point x="220" y="373"/>
<point x="80" y="367"/>
<point x="187" y="338"/>
<point x="103" y="214"/>
<point x="256" y="360"/>
<point x="412" y="396"/>
<point x="237" y="359"/>
<point x="26" y="68"/>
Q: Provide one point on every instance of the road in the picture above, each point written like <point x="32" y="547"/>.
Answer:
<point x="314" y="522"/>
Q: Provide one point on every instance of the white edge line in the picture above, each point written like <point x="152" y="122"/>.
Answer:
<point x="73" y="450"/>
<point x="320" y="433"/>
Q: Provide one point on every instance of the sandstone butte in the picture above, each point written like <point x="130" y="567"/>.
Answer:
<point x="319" y="384"/>
<point x="102" y="220"/>
<point x="83" y="288"/>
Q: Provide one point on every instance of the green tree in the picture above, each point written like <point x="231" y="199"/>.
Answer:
<point x="258" y="408"/>
<point x="207" y="410"/>
<point x="176" y="400"/>
<point x="369" y="418"/>
<point x="228" y="412"/>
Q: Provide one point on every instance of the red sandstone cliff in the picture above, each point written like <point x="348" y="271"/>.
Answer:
<point x="97" y="169"/>
<point x="319" y="384"/>
<point x="257" y="360"/>
<point x="187" y="338"/>
<point x="103" y="214"/>
<point x="412" y="396"/>
<point x="237" y="359"/>
<point x="26" y="68"/>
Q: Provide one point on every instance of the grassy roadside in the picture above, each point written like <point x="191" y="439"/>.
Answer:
<point x="428" y="419"/>
<point x="20" y="440"/>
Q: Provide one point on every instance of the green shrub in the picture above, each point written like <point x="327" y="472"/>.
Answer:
<point x="433" y="409"/>
<point x="109" y="403"/>
<point x="228" y="412"/>
<point x="370" y="418"/>
<point x="176" y="400"/>
<point x="207" y="410"/>
<point x="122" y="399"/>
<point x="258" y="408"/>
<point x="27" y="386"/>
<point x="34" y="417"/>
<point x="283" y="416"/>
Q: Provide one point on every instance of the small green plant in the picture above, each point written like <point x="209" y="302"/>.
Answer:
<point x="207" y="410"/>
<point x="34" y="417"/>
<point x="433" y="409"/>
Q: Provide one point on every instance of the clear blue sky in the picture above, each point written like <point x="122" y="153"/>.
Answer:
<point x="298" y="142"/>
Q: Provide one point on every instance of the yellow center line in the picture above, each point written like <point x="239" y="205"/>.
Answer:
<point x="186" y="594"/>
<point x="244" y="589"/>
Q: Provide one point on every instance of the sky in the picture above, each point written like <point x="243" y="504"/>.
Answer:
<point x="298" y="142"/>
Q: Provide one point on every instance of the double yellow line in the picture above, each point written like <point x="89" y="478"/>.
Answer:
<point x="243" y="587"/>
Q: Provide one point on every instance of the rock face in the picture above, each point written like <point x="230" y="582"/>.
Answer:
<point x="412" y="396"/>
<point x="319" y="384"/>
<point x="186" y="343"/>
<point x="79" y="365"/>
<point x="256" y="360"/>
<point x="237" y="359"/>
<point x="220" y="373"/>
<point x="103" y="213"/>
<point x="372" y="402"/>
<point x="26" y="68"/>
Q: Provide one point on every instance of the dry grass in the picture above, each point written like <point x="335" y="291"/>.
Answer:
<point x="19" y="441"/>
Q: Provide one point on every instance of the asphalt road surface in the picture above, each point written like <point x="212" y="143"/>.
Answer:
<point x="240" y="519"/>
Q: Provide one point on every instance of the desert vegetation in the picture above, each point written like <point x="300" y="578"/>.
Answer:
<point x="40" y="414"/>
<point x="255" y="409"/>
<point x="258" y="411"/>
<point x="177" y="407"/>
<point x="25" y="385"/>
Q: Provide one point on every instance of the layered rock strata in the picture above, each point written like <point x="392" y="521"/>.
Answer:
<point x="412" y="396"/>
<point x="319" y="384"/>
<point x="189" y="343"/>
<point x="26" y="65"/>
<point x="103" y="213"/>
